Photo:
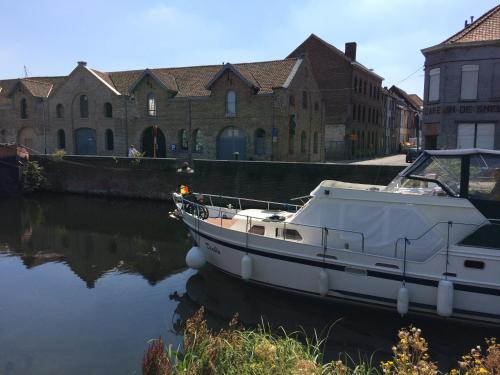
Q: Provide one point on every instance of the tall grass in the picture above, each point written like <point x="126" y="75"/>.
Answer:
<point x="239" y="351"/>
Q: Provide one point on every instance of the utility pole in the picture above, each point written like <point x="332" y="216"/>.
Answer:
<point x="190" y="137"/>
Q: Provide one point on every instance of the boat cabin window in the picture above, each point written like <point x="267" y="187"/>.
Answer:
<point x="257" y="229"/>
<point x="291" y="234"/>
<point x="484" y="177"/>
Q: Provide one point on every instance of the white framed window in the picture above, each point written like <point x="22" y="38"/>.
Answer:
<point x="434" y="78"/>
<point x="231" y="103"/>
<point x="470" y="74"/>
<point x="151" y="105"/>
<point x="473" y="135"/>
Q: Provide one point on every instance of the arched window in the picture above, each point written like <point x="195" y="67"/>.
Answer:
<point x="24" y="108"/>
<point x="230" y="103"/>
<point x="303" y="142"/>
<point x="84" y="106"/>
<point x="151" y="105"/>
<point x="110" y="140"/>
<point x="59" y="111"/>
<point x="198" y="140"/>
<point x="3" y="136"/>
<point x="108" y="110"/>
<point x="304" y="99"/>
<point x="183" y="139"/>
<point x="61" y="139"/>
<point x="260" y="142"/>
<point x="315" y="142"/>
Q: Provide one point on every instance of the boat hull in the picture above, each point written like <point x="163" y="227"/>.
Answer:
<point x="299" y="271"/>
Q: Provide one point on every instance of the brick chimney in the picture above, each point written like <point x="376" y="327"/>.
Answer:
<point x="350" y="50"/>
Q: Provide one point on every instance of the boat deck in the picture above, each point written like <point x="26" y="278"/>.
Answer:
<point x="224" y="223"/>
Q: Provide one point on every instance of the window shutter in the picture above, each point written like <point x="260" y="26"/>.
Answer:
<point x="485" y="136"/>
<point x="496" y="81"/>
<point x="469" y="82"/>
<point x="465" y="137"/>
<point x="434" y="76"/>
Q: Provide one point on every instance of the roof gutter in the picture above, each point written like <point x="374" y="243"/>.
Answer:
<point x="440" y="47"/>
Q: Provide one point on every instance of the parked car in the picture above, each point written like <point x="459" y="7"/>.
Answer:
<point x="412" y="154"/>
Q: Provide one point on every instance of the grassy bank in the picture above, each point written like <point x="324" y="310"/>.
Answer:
<point x="236" y="350"/>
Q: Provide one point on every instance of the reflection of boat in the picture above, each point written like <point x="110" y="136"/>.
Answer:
<point x="427" y="243"/>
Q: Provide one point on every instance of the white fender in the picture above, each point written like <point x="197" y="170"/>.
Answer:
<point x="195" y="258"/>
<point x="445" y="298"/>
<point x="403" y="300"/>
<point x="246" y="267"/>
<point x="324" y="284"/>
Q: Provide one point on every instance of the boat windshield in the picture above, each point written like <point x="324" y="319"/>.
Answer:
<point x="441" y="174"/>
<point x="436" y="175"/>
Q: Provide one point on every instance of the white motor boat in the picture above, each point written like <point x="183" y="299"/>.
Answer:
<point x="428" y="242"/>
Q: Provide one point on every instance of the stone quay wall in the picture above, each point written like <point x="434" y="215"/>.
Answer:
<point x="157" y="178"/>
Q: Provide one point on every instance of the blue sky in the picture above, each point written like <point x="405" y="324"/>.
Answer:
<point x="49" y="36"/>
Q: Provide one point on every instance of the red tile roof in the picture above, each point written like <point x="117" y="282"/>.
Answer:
<point x="486" y="27"/>
<point x="192" y="81"/>
<point x="187" y="81"/>
<point x="39" y="87"/>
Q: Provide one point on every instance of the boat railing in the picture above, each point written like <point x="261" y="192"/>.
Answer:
<point x="253" y="203"/>
<point x="288" y="229"/>
<point x="449" y="224"/>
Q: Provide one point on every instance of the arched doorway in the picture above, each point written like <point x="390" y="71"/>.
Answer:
<point x="148" y="141"/>
<point x="27" y="138"/>
<point x="85" y="141"/>
<point x="232" y="144"/>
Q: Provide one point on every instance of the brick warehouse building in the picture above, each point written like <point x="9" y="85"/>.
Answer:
<point x="262" y="111"/>
<point x="352" y="98"/>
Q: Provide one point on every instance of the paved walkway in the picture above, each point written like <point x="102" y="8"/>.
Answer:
<point x="399" y="159"/>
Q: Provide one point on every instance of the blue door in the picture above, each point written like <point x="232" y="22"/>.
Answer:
<point x="232" y="144"/>
<point x="85" y="141"/>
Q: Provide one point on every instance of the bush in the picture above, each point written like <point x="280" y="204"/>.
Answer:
<point x="33" y="178"/>
<point x="59" y="155"/>
<point x="136" y="159"/>
<point x="239" y="351"/>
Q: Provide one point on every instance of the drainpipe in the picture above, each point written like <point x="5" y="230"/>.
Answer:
<point x="45" y="125"/>
<point x="190" y="137"/>
<point x="125" y="100"/>
<point x="309" y="138"/>
<point x="274" y="125"/>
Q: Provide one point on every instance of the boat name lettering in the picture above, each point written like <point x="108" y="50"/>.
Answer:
<point x="212" y="248"/>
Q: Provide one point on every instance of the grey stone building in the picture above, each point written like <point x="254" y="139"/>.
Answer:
<point x="462" y="87"/>
<point x="262" y="111"/>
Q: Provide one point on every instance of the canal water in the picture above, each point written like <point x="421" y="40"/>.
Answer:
<point x="86" y="282"/>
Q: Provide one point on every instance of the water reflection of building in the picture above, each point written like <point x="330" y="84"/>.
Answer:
<point x="95" y="236"/>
